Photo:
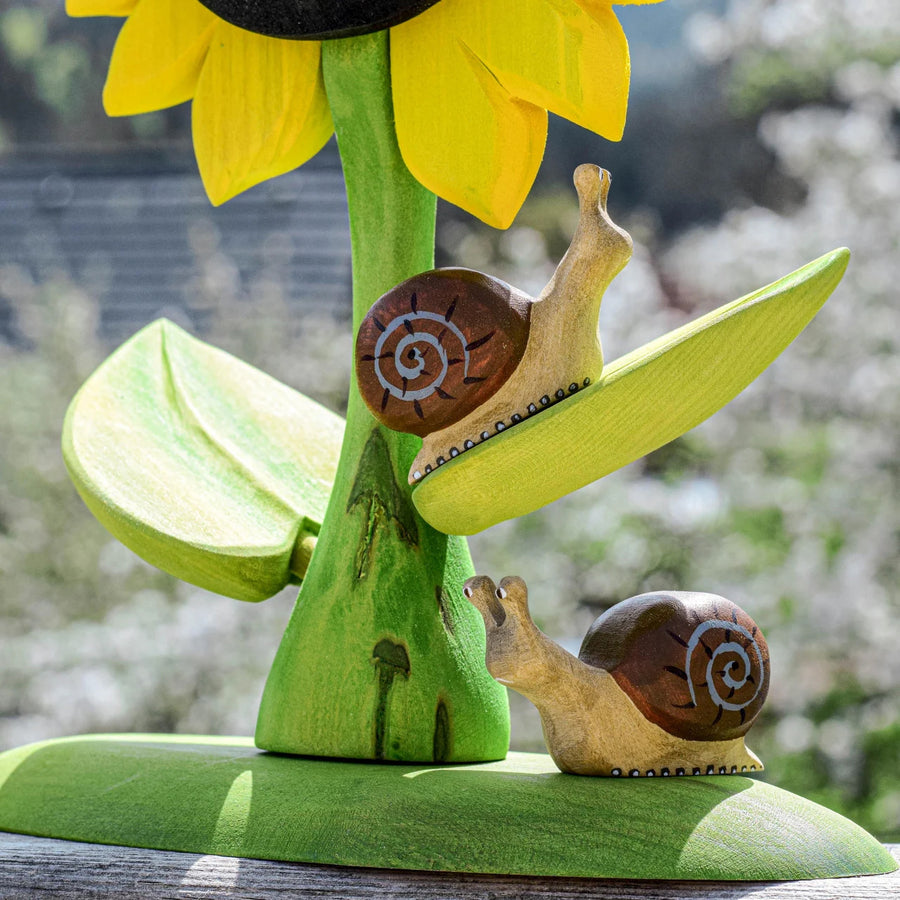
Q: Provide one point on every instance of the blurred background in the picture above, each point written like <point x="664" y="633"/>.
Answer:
<point x="761" y="134"/>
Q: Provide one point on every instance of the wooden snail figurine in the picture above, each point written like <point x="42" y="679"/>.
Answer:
<point x="664" y="683"/>
<point x="457" y="357"/>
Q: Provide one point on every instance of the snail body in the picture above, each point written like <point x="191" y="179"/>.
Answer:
<point x="458" y="357"/>
<point x="665" y="684"/>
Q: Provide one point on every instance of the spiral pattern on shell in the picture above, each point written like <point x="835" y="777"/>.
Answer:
<point x="729" y="668"/>
<point x="437" y="346"/>
<point x="695" y="664"/>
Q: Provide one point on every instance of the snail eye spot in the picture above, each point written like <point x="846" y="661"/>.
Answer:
<point x="501" y="594"/>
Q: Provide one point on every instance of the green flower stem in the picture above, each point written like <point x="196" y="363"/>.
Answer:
<point x="383" y="658"/>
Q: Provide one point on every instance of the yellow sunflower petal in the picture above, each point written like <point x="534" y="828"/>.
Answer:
<point x="460" y="131"/>
<point x="100" y="7"/>
<point x="259" y="110"/>
<point x="553" y="53"/>
<point x="158" y="56"/>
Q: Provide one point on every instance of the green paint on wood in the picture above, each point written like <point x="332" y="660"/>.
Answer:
<point x="391" y="661"/>
<point x="201" y="464"/>
<point x="518" y="816"/>
<point x="641" y="401"/>
<point x="374" y="574"/>
<point x="443" y="733"/>
<point x="384" y="503"/>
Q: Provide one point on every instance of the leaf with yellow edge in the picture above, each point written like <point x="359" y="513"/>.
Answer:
<point x="461" y="133"/>
<point x="641" y="401"/>
<point x="259" y="110"/>
<point x="100" y="7"/>
<point x="553" y="54"/>
<point x="201" y="464"/>
<point x="158" y="56"/>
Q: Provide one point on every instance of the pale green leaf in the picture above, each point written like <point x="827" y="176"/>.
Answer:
<point x="641" y="401"/>
<point x="201" y="464"/>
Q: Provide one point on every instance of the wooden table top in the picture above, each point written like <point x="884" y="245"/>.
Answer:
<point x="46" y="868"/>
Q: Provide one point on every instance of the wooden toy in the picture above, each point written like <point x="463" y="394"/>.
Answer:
<point x="217" y="795"/>
<point x="482" y="359"/>
<point x="201" y="464"/>
<point x="665" y="684"/>
<point x="463" y="359"/>
<point x="383" y="658"/>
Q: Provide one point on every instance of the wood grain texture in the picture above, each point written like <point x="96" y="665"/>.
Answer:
<point x="472" y="82"/>
<point x="641" y="401"/>
<point x="563" y="353"/>
<point x="439" y="345"/>
<point x="44" y="868"/>
<point x="597" y="723"/>
<point x="158" y="56"/>
<point x="223" y="796"/>
<point x="203" y="465"/>
<point x="382" y="658"/>
<point x="695" y="664"/>
<point x="259" y="110"/>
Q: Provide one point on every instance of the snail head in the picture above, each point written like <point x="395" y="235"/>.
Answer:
<point x="512" y="637"/>
<point x="600" y="249"/>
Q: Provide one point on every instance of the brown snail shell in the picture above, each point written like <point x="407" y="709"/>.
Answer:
<point x="507" y="356"/>
<point x="695" y="664"/>
<point x="665" y="684"/>
<point x="435" y="347"/>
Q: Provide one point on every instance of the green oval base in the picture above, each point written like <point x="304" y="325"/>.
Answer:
<point x="517" y="816"/>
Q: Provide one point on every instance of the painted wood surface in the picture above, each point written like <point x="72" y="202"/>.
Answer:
<point x="259" y="109"/>
<point x="383" y="658"/>
<point x="66" y="870"/>
<point x="203" y="465"/>
<point x="665" y="685"/>
<point x="310" y="19"/>
<point x="641" y="401"/>
<point x="546" y="349"/>
<point x="519" y="815"/>
<point x="473" y="81"/>
<point x="438" y="346"/>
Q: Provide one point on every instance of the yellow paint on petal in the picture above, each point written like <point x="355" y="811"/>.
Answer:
<point x="554" y="54"/>
<point x="259" y="110"/>
<point x="100" y="7"/>
<point x="158" y="56"/>
<point x="460" y="131"/>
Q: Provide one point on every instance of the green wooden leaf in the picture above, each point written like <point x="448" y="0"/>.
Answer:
<point x="641" y="401"/>
<point x="201" y="464"/>
<point x="517" y="816"/>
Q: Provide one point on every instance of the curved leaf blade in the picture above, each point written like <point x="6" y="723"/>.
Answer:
<point x="201" y="464"/>
<point x="641" y="401"/>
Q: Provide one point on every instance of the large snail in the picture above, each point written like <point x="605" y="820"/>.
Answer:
<point x="664" y="683"/>
<point x="456" y="356"/>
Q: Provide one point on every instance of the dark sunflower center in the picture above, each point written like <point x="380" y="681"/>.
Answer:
<point x="316" y="19"/>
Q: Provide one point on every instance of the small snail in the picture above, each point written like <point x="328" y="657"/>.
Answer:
<point x="457" y="357"/>
<point x="664" y="684"/>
